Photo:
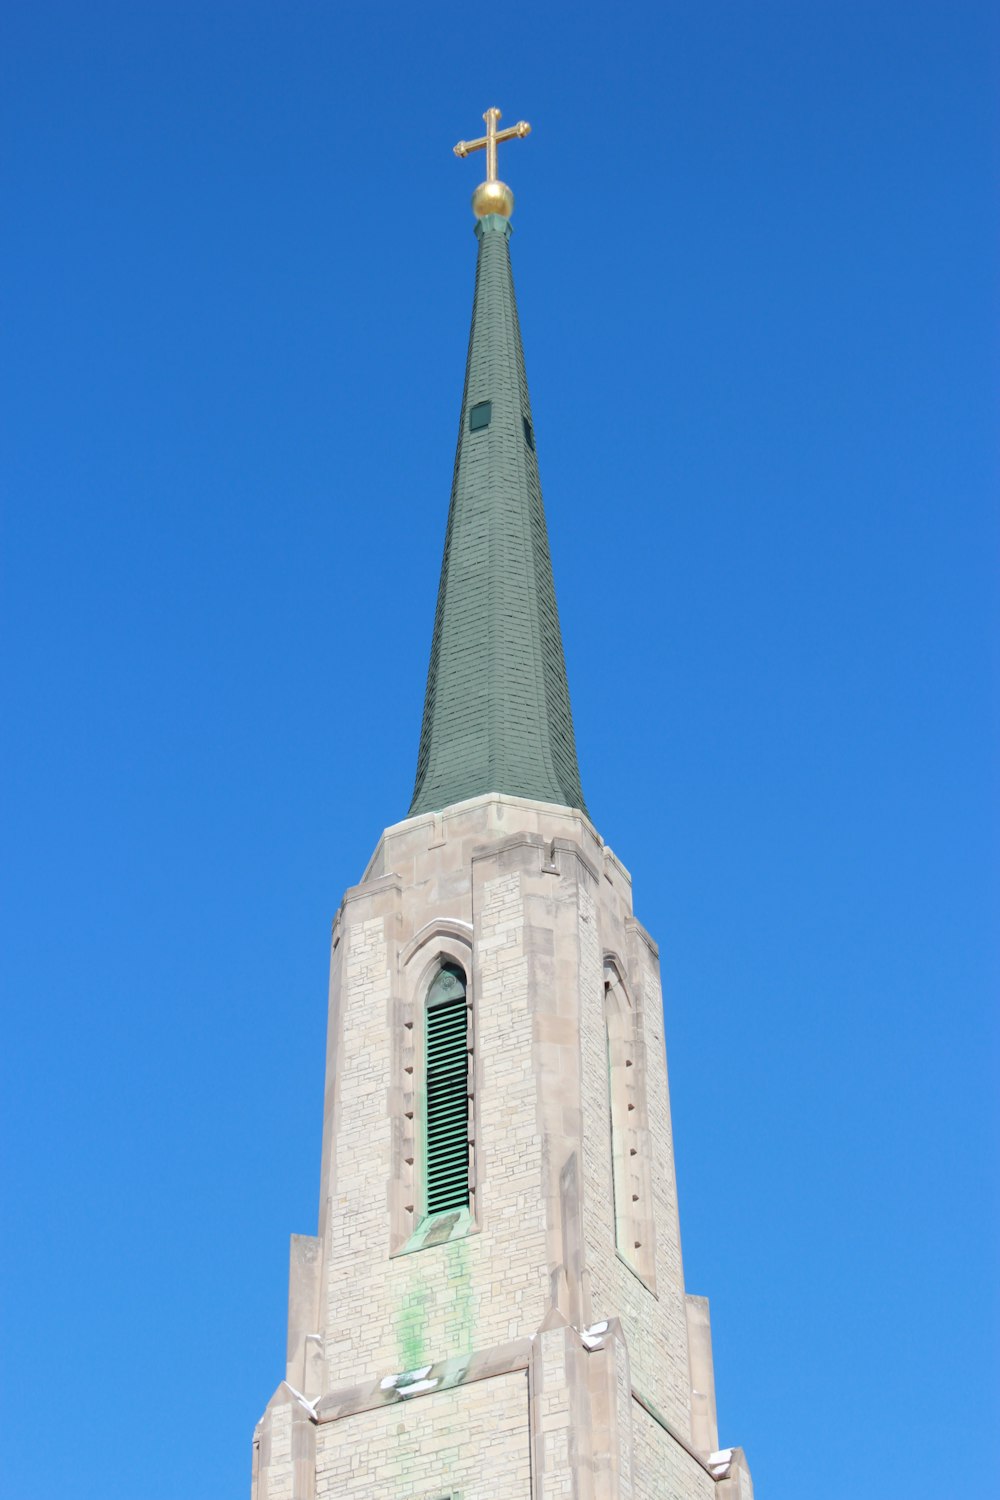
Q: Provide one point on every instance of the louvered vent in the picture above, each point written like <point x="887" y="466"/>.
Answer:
<point x="447" y="1057"/>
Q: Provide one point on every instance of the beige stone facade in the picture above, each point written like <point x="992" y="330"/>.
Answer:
<point x="539" y="1344"/>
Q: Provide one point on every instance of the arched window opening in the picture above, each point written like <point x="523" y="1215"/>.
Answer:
<point x="446" y="1111"/>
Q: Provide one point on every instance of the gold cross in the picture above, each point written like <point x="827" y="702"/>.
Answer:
<point x="491" y="140"/>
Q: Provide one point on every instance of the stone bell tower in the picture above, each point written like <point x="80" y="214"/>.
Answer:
<point x="494" y="1305"/>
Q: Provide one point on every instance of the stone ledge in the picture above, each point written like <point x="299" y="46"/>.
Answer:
<point x="436" y="826"/>
<point x="484" y="1365"/>
<point x="632" y="924"/>
<point x="546" y="847"/>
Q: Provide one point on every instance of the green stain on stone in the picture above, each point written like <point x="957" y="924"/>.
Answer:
<point x="461" y="1317"/>
<point x="453" y="1335"/>
<point x="412" y="1322"/>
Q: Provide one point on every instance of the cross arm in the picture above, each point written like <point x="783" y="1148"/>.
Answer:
<point x="521" y="129"/>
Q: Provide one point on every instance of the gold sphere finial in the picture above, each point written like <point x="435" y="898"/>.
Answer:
<point x="493" y="196"/>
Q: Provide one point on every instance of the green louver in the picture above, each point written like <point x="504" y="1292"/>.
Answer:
<point x="447" y="1065"/>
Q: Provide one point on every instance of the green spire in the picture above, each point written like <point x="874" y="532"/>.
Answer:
<point x="496" y="715"/>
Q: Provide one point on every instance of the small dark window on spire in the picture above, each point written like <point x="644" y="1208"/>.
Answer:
<point x="529" y="436"/>
<point x="480" y="416"/>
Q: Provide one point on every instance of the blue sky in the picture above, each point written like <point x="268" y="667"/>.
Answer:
<point x="755" y="259"/>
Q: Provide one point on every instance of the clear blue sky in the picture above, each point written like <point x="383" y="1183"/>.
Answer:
<point x="754" y="253"/>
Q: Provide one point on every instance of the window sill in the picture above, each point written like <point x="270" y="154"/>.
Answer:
<point x="439" y="1229"/>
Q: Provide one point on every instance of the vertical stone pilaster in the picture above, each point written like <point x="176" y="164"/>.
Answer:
<point x="305" y="1349"/>
<point x="559" y="1411"/>
<point x="285" y="1450"/>
<point x="609" y="1383"/>
<point x="355" y="1194"/>
<point x="534" y="953"/>
<point x="704" y="1423"/>
<point x="738" y="1484"/>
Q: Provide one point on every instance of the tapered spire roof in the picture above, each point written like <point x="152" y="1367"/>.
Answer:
<point x="497" y="714"/>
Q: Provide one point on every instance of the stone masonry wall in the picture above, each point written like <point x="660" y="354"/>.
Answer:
<point x="655" y="1326"/>
<point x="472" y="1441"/>
<point x="357" y="1233"/>
<point x="280" y="1455"/>
<point x="531" y="902"/>
<point x="663" y="1469"/>
<point x="675" y="1398"/>
<point x="385" y="1314"/>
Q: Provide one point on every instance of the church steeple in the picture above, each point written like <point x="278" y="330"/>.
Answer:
<point x="496" y="714"/>
<point x="494" y="1303"/>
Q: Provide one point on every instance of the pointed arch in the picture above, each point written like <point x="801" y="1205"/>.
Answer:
<point x="446" y="1094"/>
<point x="630" y="1167"/>
<point x="434" y="1182"/>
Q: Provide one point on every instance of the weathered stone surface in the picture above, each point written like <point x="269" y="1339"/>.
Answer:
<point x="521" y="1348"/>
